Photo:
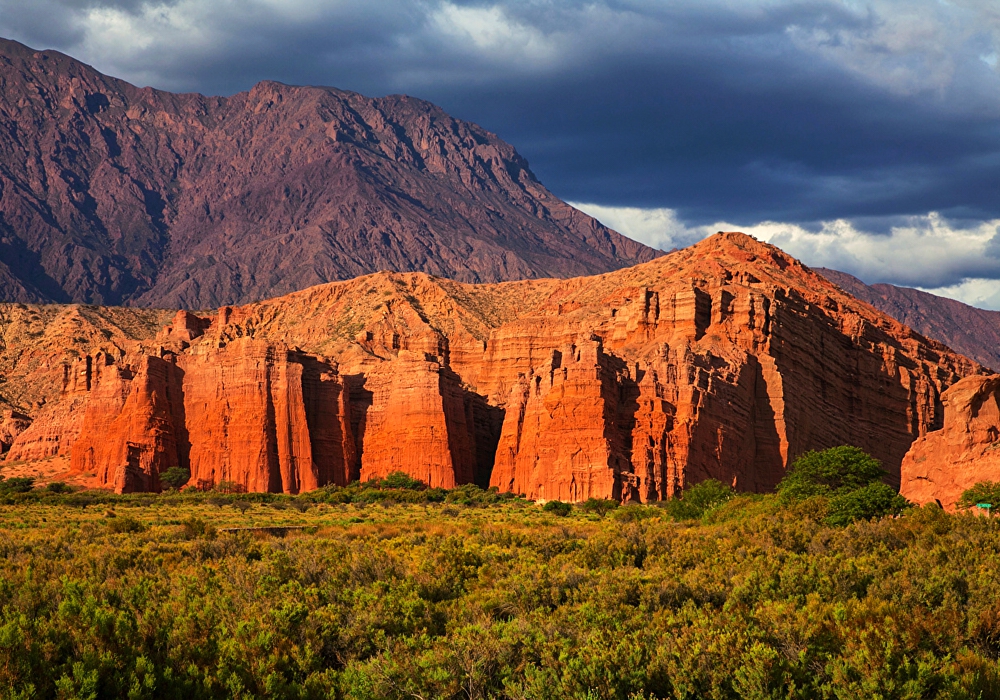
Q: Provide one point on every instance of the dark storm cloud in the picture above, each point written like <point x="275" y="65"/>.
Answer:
<point x="763" y="110"/>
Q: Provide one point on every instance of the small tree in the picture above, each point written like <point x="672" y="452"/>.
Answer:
<point x="875" y="500"/>
<point x="826" y="473"/>
<point x="402" y="480"/>
<point x="698" y="499"/>
<point x="175" y="477"/>
<point x="981" y="492"/>
<point x="557" y="508"/>
<point x="601" y="506"/>
<point x="850" y="478"/>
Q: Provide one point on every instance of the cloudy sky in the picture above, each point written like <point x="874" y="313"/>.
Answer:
<point x="863" y="136"/>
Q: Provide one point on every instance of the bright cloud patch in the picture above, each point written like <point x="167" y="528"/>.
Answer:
<point x="490" y="32"/>
<point x="927" y="252"/>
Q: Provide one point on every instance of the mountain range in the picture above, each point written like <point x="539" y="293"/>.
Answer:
<point x="112" y="194"/>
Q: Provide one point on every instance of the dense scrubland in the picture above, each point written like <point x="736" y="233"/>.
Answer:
<point x="390" y="590"/>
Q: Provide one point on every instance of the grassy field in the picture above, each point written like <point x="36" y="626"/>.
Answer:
<point x="474" y="596"/>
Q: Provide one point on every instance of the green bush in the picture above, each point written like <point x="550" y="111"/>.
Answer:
<point x="830" y="472"/>
<point x="982" y="492"/>
<point x="847" y="479"/>
<point x="634" y="512"/>
<point x="557" y="508"/>
<point x="17" y="484"/>
<point x="600" y="506"/>
<point x="196" y="527"/>
<point x="873" y="501"/>
<point x="58" y="487"/>
<point x="125" y="524"/>
<point x="175" y="477"/>
<point x="402" y="480"/>
<point x="698" y="499"/>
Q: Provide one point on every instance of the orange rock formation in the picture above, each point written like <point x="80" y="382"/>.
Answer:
<point x="132" y="422"/>
<point x="266" y="418"/>
<point x="724" y="360"/>
<point x="943" y="464"/>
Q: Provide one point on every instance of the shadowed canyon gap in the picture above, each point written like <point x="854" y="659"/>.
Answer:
<point x="723" y="360"/>
<point x="112" y="194"/>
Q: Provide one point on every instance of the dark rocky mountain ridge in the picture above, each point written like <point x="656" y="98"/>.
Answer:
<point x="114" y="194"/>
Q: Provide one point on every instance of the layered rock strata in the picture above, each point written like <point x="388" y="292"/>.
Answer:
<point x="725" y="360"/>
<point x="942" y="464"/>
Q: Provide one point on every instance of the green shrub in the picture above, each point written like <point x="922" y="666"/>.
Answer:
<point x="17" y="484"/>
<point x="830" y="472"/>
<point x="600" y="506"/>
<point x="125" y="524"/>
<point x="982" y="492"/>
<point x="402" y="480"/>
<point x="196" y="527"/>
<point x="873" y="501"/>
<point x="557" y="508"/>
<point x="58" y="487"/>
<point x="634" y="512"/>
<point x="175" y="477"/>
<point x="698" y="499"/>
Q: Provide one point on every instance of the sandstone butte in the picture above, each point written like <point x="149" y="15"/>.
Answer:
<point x="724" y="360"/>
<point x="943" y="464"/>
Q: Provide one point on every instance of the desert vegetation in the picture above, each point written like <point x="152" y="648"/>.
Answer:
<point x="393" y="590"/>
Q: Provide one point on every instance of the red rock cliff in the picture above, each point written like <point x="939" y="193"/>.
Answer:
<point x="725" y="360"/>
<point x="943" y="464"/>
<point x="265" y="418"/>
<point x="132" y="423"/>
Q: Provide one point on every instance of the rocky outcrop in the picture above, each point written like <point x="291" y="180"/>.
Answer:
<point x="419" y="420"/>
<point x="258" y="416"/>
<point x="12" y="424"/>
<point x="966" y="450"/>
<point x="112" y="194"/>
<point x="561" y="436"/>
<point x="265" y="418"/>
<point x="52" y="432"/>
<point x="725" y="360"/>
<point x="133" y="427"/>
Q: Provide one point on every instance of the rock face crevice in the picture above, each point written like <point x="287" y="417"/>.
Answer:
<point x="725" y="360"/>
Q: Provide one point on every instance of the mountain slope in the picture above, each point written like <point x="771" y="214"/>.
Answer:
<point x="973" y="332"/>
<point x="114" y="194"/>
